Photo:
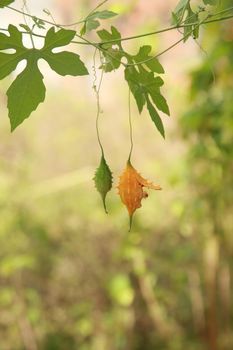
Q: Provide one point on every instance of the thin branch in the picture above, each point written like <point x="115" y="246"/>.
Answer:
<point x="99" y="45"/>
<point x="60" y="25"/>
<point x="43" y="36"/>
<point x="140" y="35"/>
<point x="133" y="37"/>
<point x="97" y="7"/>
<point x="86" y="41"/>
<point x="97" y="93"/>
<point x="173" y="27"/>
<point x="176" y="43"/>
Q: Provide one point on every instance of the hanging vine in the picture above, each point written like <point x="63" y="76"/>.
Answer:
<point x="103" y="174"/>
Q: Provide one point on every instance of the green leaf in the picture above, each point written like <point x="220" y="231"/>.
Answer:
<point x="25" y="27"/>
<point x="159" y="100"/>
<point x="142" y="80"/>
<point x="112" y="60"/>
<point x="56" y="39"/>
<point x="196" y="28"/>
<point x="4" y="3"/>
<point x="13" y="41"/>
<point x="153" y="64"/>
<point x="103" y="180"/>
<point x="184" y="14"/>
<point x="26" y="92"/>
<point x="112" y="54"/>
<point x="155" y="117"/>
<point x="145" y="86"/>
<point x="83" y="29"/>
<point x="192" y="30"/>
<point x="91" y="22"/>
<point x="179" y="12"/>
<point x="137" y="89"/>
<point x="89" y="25"/>
<point x="113" y="35"/>
<point x="102" y="14"/>
<point x="210" y="2"/>
<point x="181" y="5"/>
<point x="8" y="62"/>
<point x="39" y="22"/>
<point x="144" y="83"/>
<point x="65" y="63"/>
<point x="175" y="18"/>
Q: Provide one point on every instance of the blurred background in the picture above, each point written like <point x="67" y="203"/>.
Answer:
<point x="72" y="277"/>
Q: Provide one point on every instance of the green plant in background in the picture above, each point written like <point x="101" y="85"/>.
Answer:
<point x="208" y="126"/>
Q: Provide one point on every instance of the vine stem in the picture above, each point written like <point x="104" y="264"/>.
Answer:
<point x="97" y="92"/>
<point x="99" y="47"/>
<point x="132" y="37"/>
<point x="97" y="7"/>
<point x="167" y="49"/>
<point x="25" y="21"/>
<point x="86" y="41"/>
<point x="130" y="126"/>
<point x="168" y="29"/>
<point x="84" y="20"/>
<point x="139" y="35"/>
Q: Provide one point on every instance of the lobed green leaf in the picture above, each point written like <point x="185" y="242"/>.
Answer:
<point x="65" y="63"/>
<point x="113" y="52"/>
<point x="153" y="64"/>
<point x="179" y="11"/>
<point x="155" y="117"/>
<point x="56" y="39"/>
<point x="105" y="14"/>
<point x="14" y="41"/>
<point x="4" y="3"/>
<point x="26" y="92"/>
<point x="107" y="36"/>
<point x="192" y="30"/>
<point x="91" y="21"/>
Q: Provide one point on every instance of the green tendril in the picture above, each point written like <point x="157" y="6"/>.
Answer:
<point x="130" y="127"/>
<point x="97" y="92"/>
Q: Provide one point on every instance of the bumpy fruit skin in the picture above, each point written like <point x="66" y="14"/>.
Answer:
<point x="131" y="189"/>
<point x="103" y="180"/>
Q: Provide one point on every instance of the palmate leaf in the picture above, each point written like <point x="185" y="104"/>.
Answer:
<point x="155" y="117"/>
<point x="113" y="51"/>
<point x="192" y="30"/>
<point x="91" y="21"/>
<point x="145" y="86"/>
<point x="8" y="62"/>
<point x="28" y="90"/>
<point x="4" y="3"/>
<point x="153" y="64"/>
<point x="140" y="74"/>
<point x="184" y="14"/>
<point x="103" y="180"/>
<point x="179" y="11"/>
